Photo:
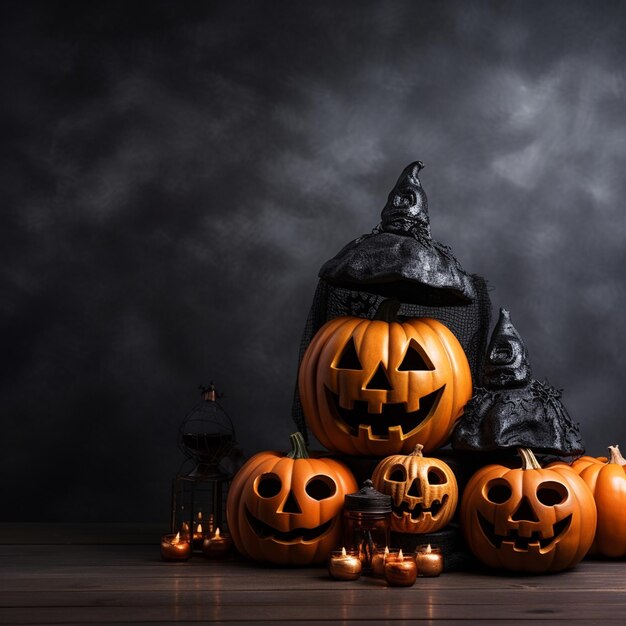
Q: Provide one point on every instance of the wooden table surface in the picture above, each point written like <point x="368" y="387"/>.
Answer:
<point x="84" y="576"/>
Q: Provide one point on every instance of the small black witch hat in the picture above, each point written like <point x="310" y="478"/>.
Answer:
<point x="514" y="410"/>
<point x="399" y="258"/>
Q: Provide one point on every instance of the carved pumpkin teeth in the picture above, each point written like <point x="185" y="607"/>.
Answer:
<point x="392" y="415"/>
<point x="297" y="535"/>
<point x="418" y="511"/>
<point x="518" y="542"/>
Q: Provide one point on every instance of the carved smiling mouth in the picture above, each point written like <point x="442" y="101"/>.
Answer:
<point x="393" y="414"/>
<point x="297" y="535"/>
<point x="418" y="511"/>
<point x="522" y="543"/>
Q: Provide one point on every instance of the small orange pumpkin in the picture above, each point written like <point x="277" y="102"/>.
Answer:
<point x="379" y="387"/>
<point x="423" y="490"/>
<point x="579" y="464"/>
<point x="286" y="508"/>
<point x="529" y="519"/>
<point x="607" y="482"/>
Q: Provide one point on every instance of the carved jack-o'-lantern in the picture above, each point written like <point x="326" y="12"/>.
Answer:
<point x="286" y="508"/>
<point x="529" y="519"/>
<point x="379" y="387"/>
<point x="423" y="491"/>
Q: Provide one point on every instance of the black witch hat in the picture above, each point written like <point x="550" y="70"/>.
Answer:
<point x="399" y="257"/>
<point x="513" y="410"/>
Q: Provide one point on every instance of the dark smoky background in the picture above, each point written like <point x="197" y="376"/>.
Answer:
<point x="175" y="174"/>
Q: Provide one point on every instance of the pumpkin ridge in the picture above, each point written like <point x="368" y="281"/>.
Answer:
<point x="343" y="324"/>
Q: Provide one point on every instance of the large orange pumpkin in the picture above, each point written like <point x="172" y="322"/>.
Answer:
<point x="423" y="491"/>
<point x="380" y="387"/>
<point x="607" y="482"/>
<point x="286" y="508"/>
<point x="530" y="519"/>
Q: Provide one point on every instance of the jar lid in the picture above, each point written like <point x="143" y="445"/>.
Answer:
<point x="368" y="500"/>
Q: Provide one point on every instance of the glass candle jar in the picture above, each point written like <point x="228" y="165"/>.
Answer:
<point x="366" y="519"/>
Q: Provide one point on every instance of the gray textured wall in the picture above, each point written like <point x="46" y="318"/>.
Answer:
<point x="176" y="173"/>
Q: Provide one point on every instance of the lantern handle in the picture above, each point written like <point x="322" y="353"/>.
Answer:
<point x="210" y="394"/>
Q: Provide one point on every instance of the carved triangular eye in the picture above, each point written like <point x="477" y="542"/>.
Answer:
<point x="415" y="359"/>
<point x="349" y="359"/>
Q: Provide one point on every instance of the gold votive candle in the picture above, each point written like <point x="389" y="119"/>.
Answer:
<point x="429" y="560"/>
<point x="400" y="571"/>
<point x="344" y="565"/>
<point x="217" y="546"/>
<point x="173" y="548"/>
<point x="379" y="558"/>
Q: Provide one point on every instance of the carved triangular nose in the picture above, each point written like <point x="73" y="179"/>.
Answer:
<point x="379" y="380"/>
<point x="290" y="505"/>
<point x="415" y="489"/>
<point x="525" y="512"/>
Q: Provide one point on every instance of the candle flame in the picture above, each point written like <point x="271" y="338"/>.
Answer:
<point x="177" y="538"/>
<point x="199" y="528"/>
<point x="386" y="550"/>
<point x="217" y="533"/>
<point x="343" y="552"/>
<point x="428" y="549"/>
<point x="199" y="514"/>
<point x="400" y="555"/>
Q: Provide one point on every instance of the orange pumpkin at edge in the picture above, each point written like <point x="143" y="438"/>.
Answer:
<point x="607" y="482"/>
<point x="285" y="508"/>
<point x="379" y="387"/>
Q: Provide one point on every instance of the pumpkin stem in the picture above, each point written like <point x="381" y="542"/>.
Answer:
<point x="615" y="456"/>
<point x="418" y="450"/>
<point x="298" y="447"/>
<point x="388" y="310"/>
<point x="529" y="461"/>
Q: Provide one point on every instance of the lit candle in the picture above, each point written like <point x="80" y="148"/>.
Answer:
<point x="400" y="571"/>
<point x="217" y="546"/>
<point x="429" y="561"/>
<point x="198" y="533"/>
<point x="344" y="565"/>
<point x="185" y="530"/>
<point x="173" y="548"/>
<point x="379" y="558"/>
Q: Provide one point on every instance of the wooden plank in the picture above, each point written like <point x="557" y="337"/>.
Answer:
<point x="92" y="569"/>
<point x="329" y="597"/>
<point x="77" y="584"/>
<point x="391" y="607"/>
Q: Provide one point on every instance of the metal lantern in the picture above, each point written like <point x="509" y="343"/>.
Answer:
<point x="207" y="437"/>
